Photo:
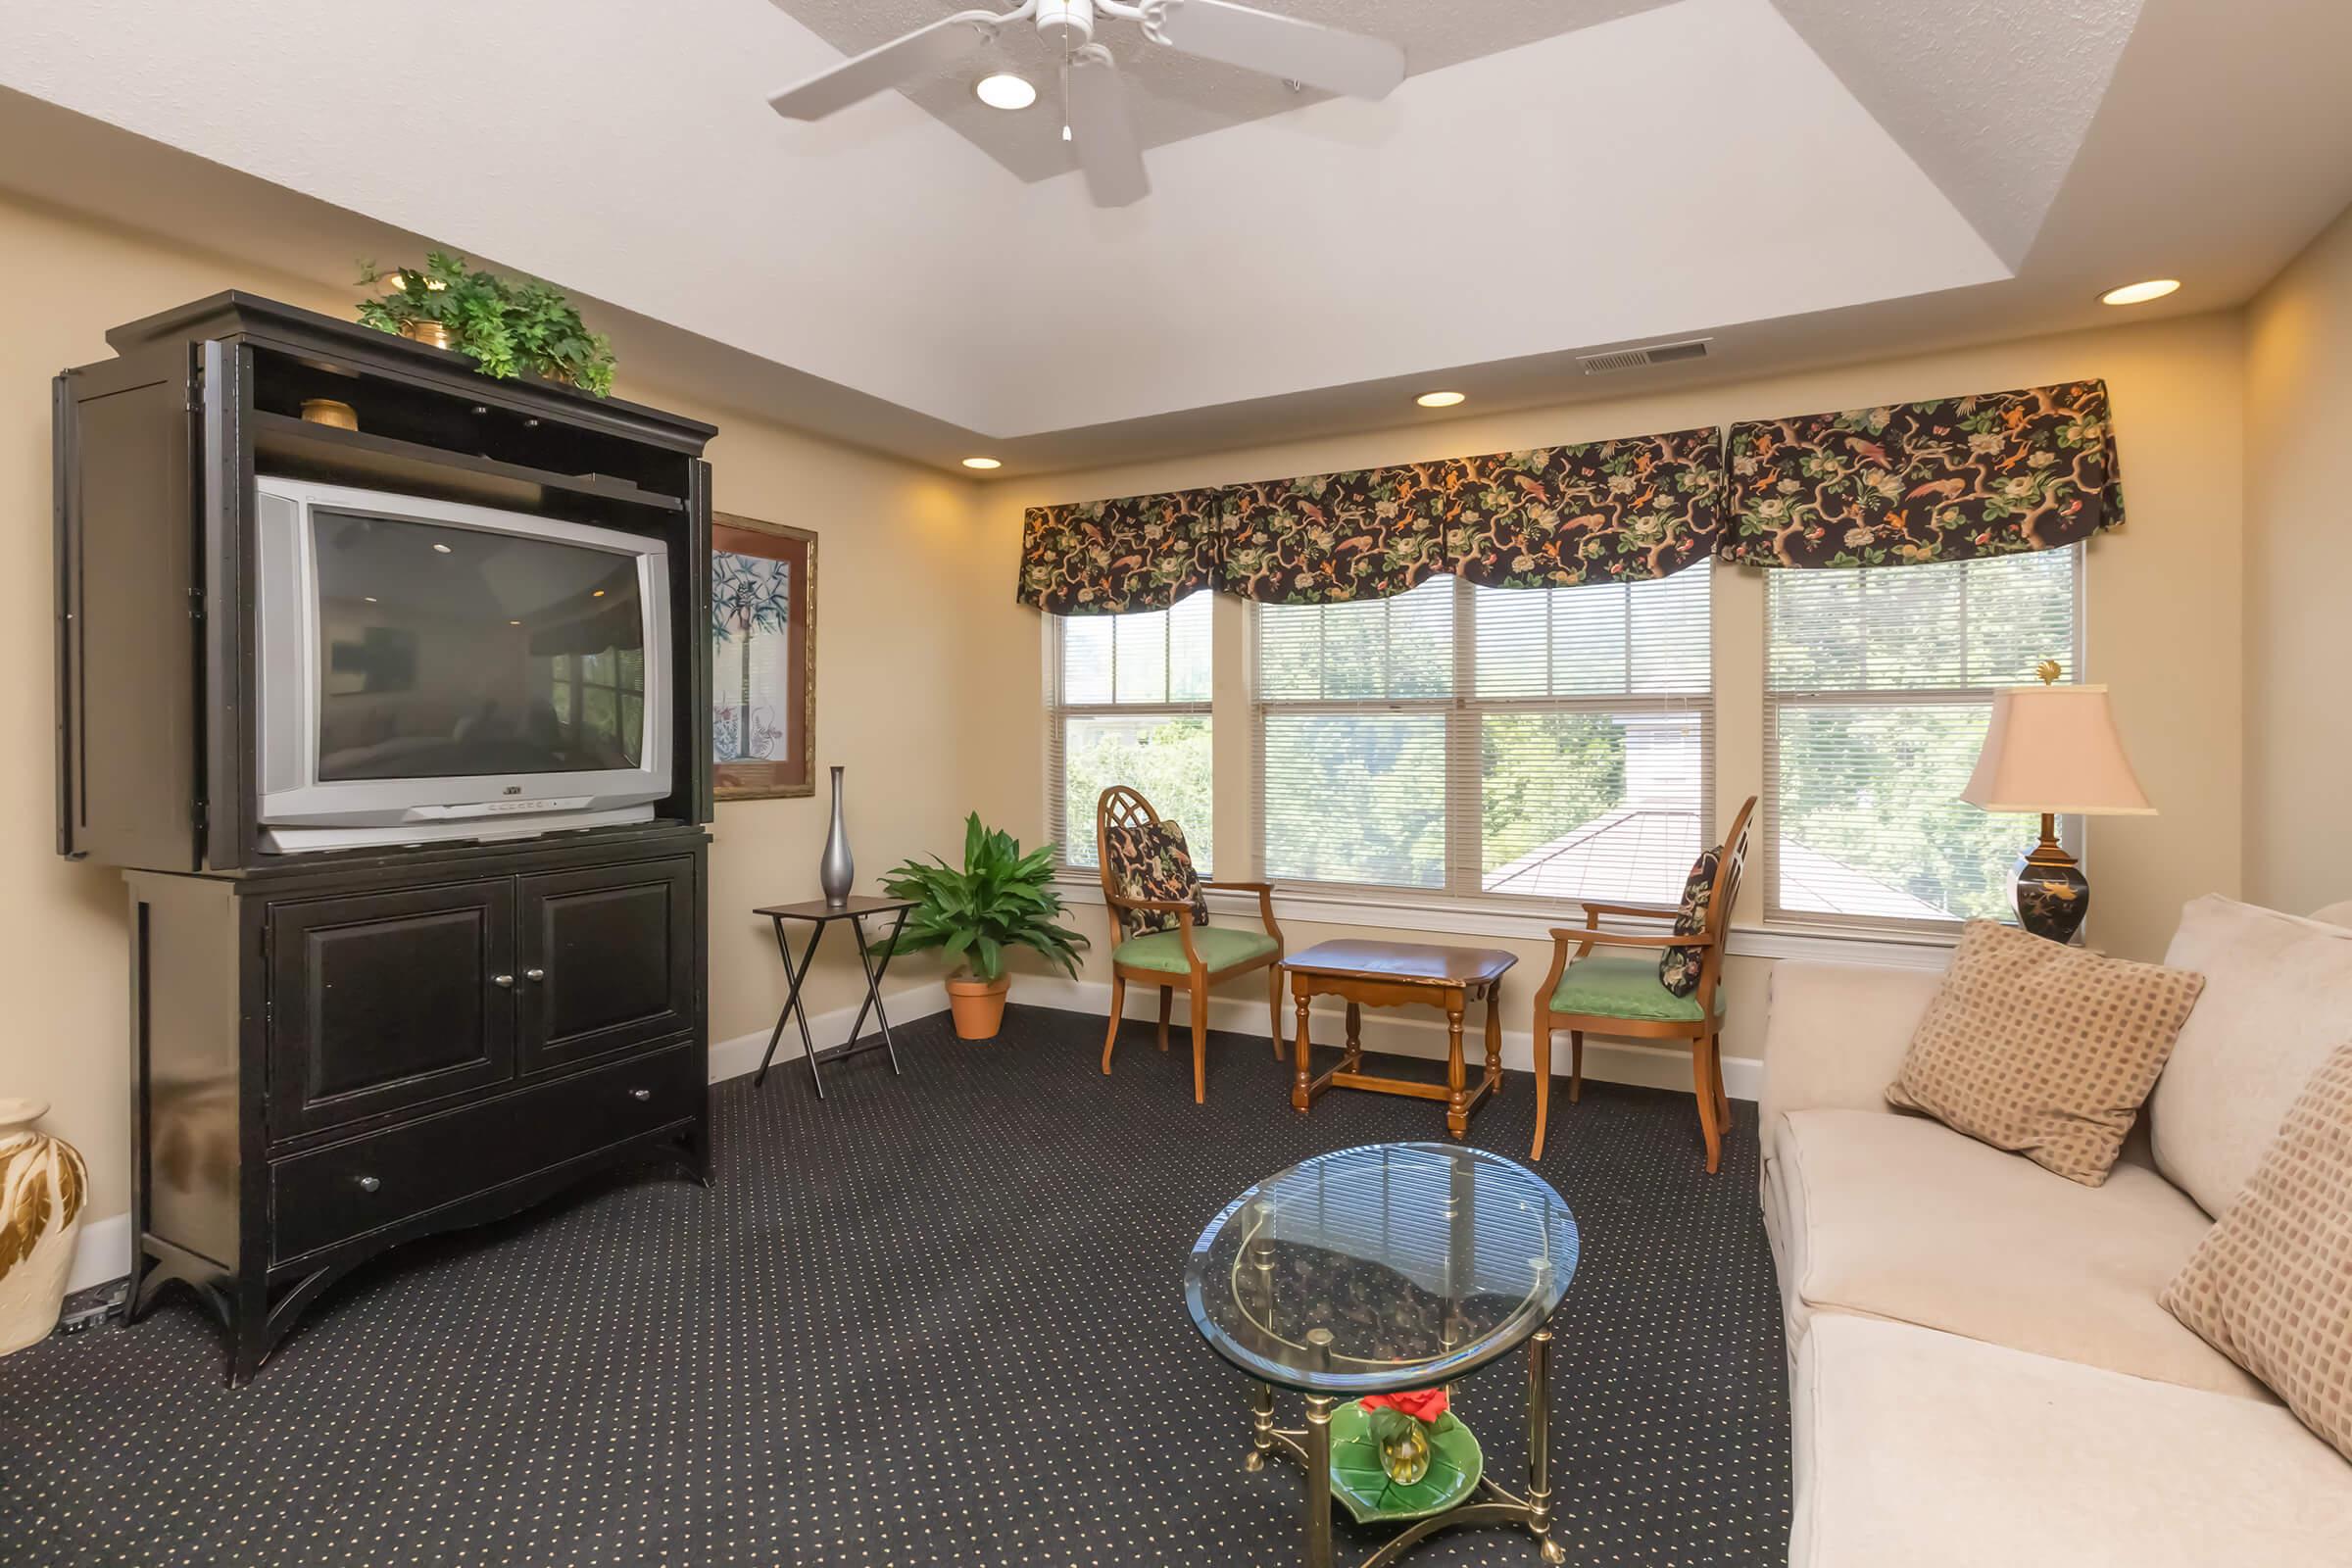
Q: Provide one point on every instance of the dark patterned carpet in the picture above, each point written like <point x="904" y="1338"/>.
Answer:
<point x="933" y="1320"/>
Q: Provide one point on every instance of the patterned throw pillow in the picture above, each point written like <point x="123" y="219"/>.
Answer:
<point x="1679" y="968"/>
<point x="2043" y="1049"/>
<point x="1153" y="863"/>
<point x="2271" y="1286"/>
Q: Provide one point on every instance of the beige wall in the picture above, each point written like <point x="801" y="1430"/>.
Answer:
<point x="2163" y="609"/>
<point x="2298" y="838"/>
<point x="895" y="556"/>
<point x="929" y="674"/>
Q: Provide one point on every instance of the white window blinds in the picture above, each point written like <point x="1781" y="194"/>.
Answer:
<point x="1129" y="705"/>
<point x="1877" y="687"/>
<point x="1549" y="744"/>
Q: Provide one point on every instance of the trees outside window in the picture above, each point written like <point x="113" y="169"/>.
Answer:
<point x="1130" y="705"/>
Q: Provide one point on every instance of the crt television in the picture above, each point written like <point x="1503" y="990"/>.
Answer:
<point x="432" y="672"/>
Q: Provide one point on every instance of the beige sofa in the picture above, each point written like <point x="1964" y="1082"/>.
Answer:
<point x="1979" y="1371"/>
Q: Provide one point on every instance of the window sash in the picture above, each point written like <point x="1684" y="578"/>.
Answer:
<point x="1060" y="710"/>
<point x="1656" y="876"/>
<point x="1785" y="704"/>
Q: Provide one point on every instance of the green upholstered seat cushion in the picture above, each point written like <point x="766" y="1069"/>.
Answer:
<point x="1220" y="947"/>
<point x="1614" y="985"/>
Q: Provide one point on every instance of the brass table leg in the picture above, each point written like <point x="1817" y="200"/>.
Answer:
<point x="1262" y="1427"/>
<point x="1539" y="1446"/>
<point x="1318" y="1480"/>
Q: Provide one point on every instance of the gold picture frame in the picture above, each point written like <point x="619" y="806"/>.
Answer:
<point x="743" y="594"/>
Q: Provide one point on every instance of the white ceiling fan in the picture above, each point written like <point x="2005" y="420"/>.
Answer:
<point x="1303" y="52"/>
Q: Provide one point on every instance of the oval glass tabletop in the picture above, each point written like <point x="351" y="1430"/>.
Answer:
<point x="1384" y="1268"/>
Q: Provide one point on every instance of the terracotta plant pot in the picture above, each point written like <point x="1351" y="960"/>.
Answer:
<point x="978" y="1007"/>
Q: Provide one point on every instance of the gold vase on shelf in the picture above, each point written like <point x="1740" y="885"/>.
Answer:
<point x="433" y="334"/>
<point x="326" y="411"/>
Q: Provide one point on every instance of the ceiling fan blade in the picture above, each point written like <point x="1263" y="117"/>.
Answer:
<point x="900" y="61"/>
<point x="1305" y="52"/>
<point x="1102" y="133"/>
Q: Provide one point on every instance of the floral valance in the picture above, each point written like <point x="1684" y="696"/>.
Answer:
<point x="1107" y="558"/>
<point x="1992" y="475"/>
<point x="1622" y="510"/>
<point x="1997" y="473"/>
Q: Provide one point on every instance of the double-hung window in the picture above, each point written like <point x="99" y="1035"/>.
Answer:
<point x="1545" y="743"/>
<point x="1878" y="685"/>
<point x="1129" y="700"/>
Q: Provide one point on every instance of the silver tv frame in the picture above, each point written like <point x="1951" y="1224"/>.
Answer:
<point x="299" y="812"/>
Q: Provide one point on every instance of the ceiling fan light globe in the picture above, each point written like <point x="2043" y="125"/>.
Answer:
<point x="1005" y="90"/>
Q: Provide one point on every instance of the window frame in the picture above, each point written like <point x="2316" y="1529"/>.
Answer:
<point x="1464" y="712"/>
<point x="2071" y="828"/>
<point x="1060" y="711"/>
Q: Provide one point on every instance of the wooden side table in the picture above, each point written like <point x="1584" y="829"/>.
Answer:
<point x="1398" y="974"/>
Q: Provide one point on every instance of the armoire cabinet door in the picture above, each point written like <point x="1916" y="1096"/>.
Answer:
<point x="607" y="959"/>
<point x="384" y="1000"/>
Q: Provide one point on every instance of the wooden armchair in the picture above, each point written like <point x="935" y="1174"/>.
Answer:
<point x="1625" y="997"/>
<point x="1196" y="955"/>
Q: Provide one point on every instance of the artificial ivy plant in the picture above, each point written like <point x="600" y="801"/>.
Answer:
<point x="506" y="324"/>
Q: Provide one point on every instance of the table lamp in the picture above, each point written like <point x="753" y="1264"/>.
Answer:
<point x="2054" y="750"/>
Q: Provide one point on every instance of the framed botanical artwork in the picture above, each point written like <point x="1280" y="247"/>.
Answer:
<point x="762" y="659"/>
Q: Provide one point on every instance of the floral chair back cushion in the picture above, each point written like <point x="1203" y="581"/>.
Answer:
<point x="1679" y="968"/>
<point x="1152" y="861"/>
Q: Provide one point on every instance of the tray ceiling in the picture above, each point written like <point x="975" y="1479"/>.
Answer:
<point x="1795" y="180"/>
<point x="1173" y="96"/>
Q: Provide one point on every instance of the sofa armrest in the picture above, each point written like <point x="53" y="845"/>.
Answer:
<point x="1834" y="1035"/>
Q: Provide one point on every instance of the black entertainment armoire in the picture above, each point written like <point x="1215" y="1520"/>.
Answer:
<point x="333" y="1052"/>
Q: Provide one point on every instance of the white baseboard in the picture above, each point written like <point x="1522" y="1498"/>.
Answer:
<point x="101" y="1253"/>
<point x="732" y="1059"/>
<point x="1418" y="1032"/>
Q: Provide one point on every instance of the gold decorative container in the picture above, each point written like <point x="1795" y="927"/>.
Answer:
<point x="326" y="411"/>
<point x="434" y="333"/>
<point x="42" y="1183"/>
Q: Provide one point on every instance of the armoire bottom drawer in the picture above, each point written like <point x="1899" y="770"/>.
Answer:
<point x="334" y="1194"/>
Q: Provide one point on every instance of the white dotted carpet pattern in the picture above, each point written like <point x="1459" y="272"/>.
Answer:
<point x="936" y="1319"/>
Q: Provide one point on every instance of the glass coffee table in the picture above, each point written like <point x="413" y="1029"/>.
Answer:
<point x="1381" y="1270"/>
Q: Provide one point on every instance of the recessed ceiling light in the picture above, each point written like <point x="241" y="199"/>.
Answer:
<point x="599" y="594"/>
<point x="440" y="550"/>
<point x="1005" y="90"/>
<point x="513" y="622"/>
<point x="1441" y="400"/>
<point x="2155" y="288"/>
<point x="982" y="462"/>
<point x="371" y="598"/>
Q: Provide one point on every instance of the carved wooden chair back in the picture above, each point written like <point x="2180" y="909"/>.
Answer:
<point x="1118" y="807"/>
<point x="1730" y="866"/>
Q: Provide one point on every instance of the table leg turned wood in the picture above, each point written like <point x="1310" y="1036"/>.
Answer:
<point x="1493" y="1041"/>
<point x="1303" y="1084"/>
<point x="1355" y="1038"/>
<point x="1458" y="1102"/>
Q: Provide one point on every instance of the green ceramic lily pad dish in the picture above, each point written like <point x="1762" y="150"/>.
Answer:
<point x="1454" y="1465"/>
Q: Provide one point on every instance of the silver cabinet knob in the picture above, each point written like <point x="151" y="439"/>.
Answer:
<point x="534" y="974"/>
<point x="502" y="980"/>
<point x="368" y="1184"/>
<point x="641" y="1093"/>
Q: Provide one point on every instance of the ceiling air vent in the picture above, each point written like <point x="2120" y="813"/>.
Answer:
<point x="1651" y="354"/>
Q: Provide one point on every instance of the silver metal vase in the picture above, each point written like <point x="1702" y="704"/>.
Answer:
<point x="836" y="871"/>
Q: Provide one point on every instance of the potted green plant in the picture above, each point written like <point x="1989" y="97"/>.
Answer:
<point x="1001" y="899"/>
<point x="505" y="324"/>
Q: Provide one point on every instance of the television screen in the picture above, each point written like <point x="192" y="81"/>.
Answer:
<point x="449" y="653"/>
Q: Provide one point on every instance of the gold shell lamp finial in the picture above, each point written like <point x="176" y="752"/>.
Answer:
<point x="2049" y="671"/>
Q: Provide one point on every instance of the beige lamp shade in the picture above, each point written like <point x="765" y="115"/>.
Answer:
<point x="2055" y="749"/>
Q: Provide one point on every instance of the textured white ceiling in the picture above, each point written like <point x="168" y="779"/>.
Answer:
<point x="1171" y="95"/>
<point x="1835" y="185"/>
